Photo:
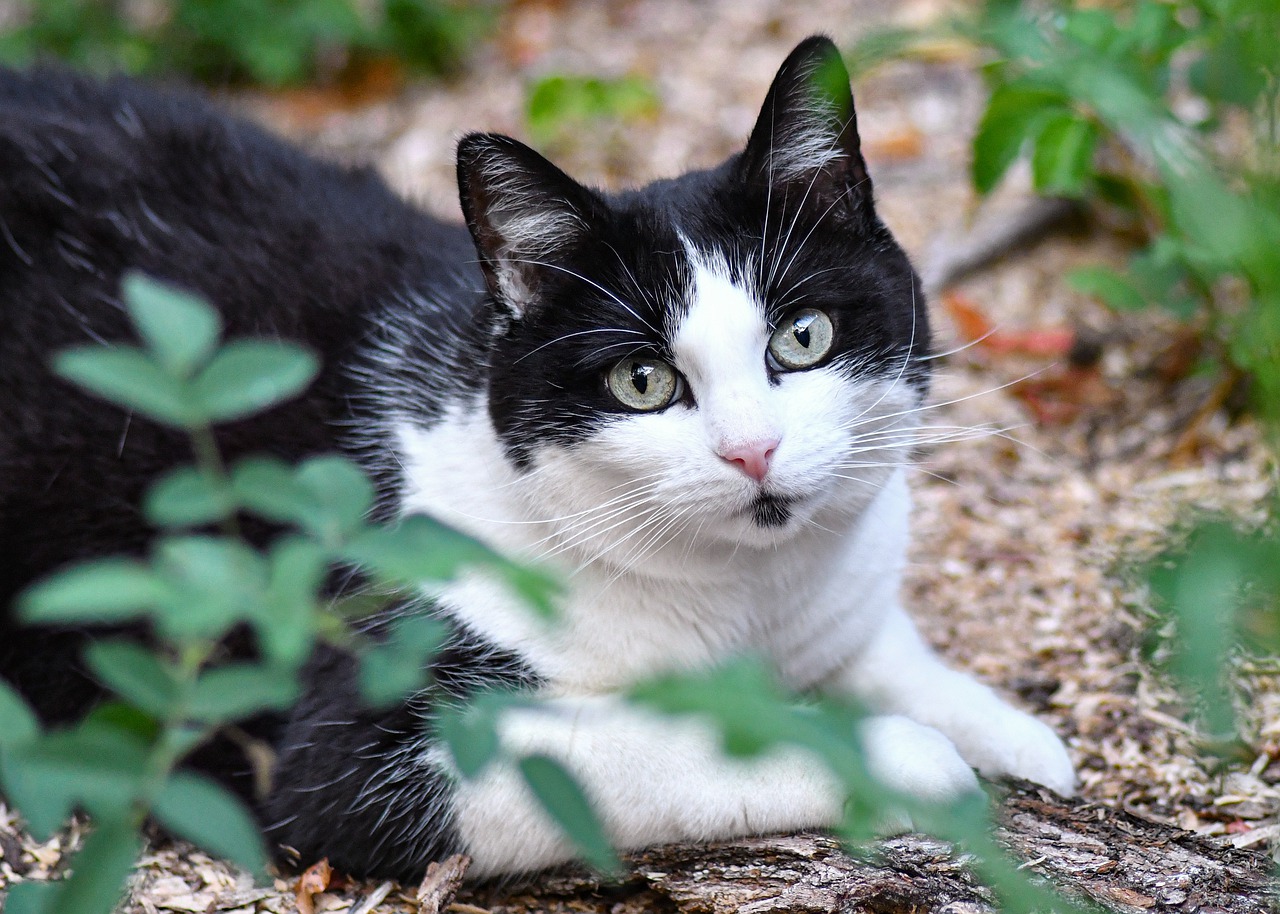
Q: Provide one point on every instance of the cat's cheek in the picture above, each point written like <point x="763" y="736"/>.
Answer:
<point x="672" y="450"/>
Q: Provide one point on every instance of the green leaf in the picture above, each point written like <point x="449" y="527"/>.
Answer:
<point x="209" y="816"/>
<point x="340" y="495"/>
<point x="94" y="765"/>
<point x="398" y="666"/>
<point x="287" y="622"/>
<point x="557" y="102"/>
<point x="32" y="898"/>
<point x="418" y="549"/>
<point x="1133" y="113"/>
<point x="1109" y="286"/>
<point x="564" y="800"/>
<point x="235" y="691"/>
<point x="471" y="731"/>
<point x="216" y="582"/>
<point x="98" y="591"/>
<point x="741" y="698"/>
<point x="1202" y="588"/>
<point x="539" y="589"/>
<point x="1014" y="115"/>
<point x="180" y="329"/>
<point x="134" y="674"/>
<point x="247" y="376"/>
<point x="18" y="723"/>
<point x="1063" y="157"/>
<point x="1225" y="231"/>
<point x="126" y="376"/>
<point x="99" y="871"/>
<point x="269" y="488"/>
<point x="188" y="497"/>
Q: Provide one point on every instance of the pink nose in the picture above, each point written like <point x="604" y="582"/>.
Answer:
<point x="752" y="458"/>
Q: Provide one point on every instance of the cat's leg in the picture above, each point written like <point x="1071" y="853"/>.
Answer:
<point x="654" y="779"/>
<point x="650" y="779"/>
<point x="898" y="673"/>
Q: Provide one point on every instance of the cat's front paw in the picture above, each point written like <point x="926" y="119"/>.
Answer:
<point x="915" y="760"/>
<point x="1015" y="743"/>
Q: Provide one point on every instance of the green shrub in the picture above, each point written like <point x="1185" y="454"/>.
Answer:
<point x="1088" y="96"/>
<point x="273" y="43"/>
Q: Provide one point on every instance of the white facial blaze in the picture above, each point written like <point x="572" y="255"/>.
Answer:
<point x="719" y="347"/>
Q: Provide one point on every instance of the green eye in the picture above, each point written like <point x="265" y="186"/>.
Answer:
<point x="643" y="383"/>
<point x="802" y="339"/>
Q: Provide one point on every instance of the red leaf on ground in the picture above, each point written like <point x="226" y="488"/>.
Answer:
<point x="311" y="883"/>
<point x="973" y="326"/>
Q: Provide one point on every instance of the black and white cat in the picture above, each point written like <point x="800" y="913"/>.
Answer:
<point x="696" y="399"/>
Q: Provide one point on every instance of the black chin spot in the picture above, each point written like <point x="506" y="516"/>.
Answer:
<point x="771" y="510"/>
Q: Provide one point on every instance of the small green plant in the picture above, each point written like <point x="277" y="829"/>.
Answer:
<point x="273" y="43"/>
<point x="1221" y="591"/>
<point x="1088" y="95"/>
<point x="559" y="107"/>
<point x="121" y="764"/>
<point x="743" y="701"/>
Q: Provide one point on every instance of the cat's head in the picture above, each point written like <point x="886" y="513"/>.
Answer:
<point x="736" y="353"/>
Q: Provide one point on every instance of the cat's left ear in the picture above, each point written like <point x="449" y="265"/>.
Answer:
<point x="524" y="214"/>
<point x="805" y="145"/>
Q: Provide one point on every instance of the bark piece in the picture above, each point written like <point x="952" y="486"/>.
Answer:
<point x="441" y="883"/>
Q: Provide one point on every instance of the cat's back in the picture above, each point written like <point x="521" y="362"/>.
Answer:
<point x="101" y="177"/>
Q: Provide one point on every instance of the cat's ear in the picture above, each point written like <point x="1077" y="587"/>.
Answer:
<point x="524" y="215"/>
<point x="805" y="145"/>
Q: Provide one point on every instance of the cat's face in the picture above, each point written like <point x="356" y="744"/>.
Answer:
<point x="729" y="357"/>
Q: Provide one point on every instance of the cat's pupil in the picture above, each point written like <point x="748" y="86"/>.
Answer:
<point x="800" y="330"/>
<point x="640" y="376"/>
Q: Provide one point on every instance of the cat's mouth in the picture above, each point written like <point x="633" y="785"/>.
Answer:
<point x="771" y="510"/>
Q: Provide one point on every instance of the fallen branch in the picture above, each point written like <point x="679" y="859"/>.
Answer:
<point x="1106" y="856"/>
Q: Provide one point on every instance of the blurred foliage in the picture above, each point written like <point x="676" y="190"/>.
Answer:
<point x="1165" y="111"/>
<point x="269" y="42"/>
<point x="1162" y="110"/>
<point x="560" y="108"/>
<point x="173" y="690"/>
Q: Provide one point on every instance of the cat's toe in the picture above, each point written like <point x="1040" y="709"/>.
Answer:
<point x="916" y="760"/>
<point x="1026" y="748"/>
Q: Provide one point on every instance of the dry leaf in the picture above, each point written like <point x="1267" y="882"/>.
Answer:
<point x="311" y="883"/>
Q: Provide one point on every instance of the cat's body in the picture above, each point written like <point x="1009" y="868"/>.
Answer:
<point x="696" y="399"/>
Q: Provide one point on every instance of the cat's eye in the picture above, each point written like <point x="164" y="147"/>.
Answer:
<point x="801" y="340"/>
<point x="643" y="383"/>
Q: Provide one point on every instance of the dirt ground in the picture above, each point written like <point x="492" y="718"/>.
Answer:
<point x="1048" y="486"/>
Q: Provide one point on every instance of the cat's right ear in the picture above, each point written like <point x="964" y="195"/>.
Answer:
<point x="805" y="144"/>
<point x="524" y="214"/>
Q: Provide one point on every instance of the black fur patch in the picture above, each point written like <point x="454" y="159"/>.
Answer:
<point x="771" y="510"/>
<point x="352" y="783"/>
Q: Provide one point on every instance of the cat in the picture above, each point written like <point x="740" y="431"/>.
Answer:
<point x="697" y="399"/>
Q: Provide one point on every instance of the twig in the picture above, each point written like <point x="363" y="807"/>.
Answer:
<point x="373" y="899"/>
